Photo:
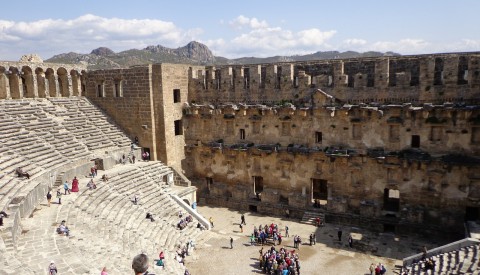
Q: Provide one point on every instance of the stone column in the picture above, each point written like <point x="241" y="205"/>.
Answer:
<point x="70" y="86"/>
<point x="57" y="86"/>
<point x="34" y="85"/>
<point x="4" y="87"/>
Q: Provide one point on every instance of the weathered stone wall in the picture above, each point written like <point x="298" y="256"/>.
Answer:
<point x="441" y="129"/>
<point x="131" y="106"/>
<point x="424" y="78"/>
<point x="168" y="80"/>
<point x="432" y="193"/>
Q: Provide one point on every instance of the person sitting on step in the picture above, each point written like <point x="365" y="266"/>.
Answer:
<point x="63" y="229"/>
<point x="20" y="173"/>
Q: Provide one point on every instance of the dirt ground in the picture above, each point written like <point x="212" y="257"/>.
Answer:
<point x="328" y="256"/>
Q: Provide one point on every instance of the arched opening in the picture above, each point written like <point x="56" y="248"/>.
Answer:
<point x="16" y="89"/>
<point x="28" y="82"/>
<point x="75" y="82"/>
<point x="83" y="81"/>
<point x="52" y="82"/>
<point x="4" y="85"/>
<point x="41" y="83"/>
<point x="63" y="82"/>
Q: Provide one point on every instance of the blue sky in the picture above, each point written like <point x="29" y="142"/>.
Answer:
<point x="239" y="28"/>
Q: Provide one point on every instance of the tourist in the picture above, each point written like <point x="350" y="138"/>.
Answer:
<point x="350" y="241"/>
<point x="2" y="215"/>
<point x="243" y="220"/>
<point x="49" y="198"/>
<point x="339" y="234"/>
<point x="147" y="156"/>
<point x="91" y="185"/>
<point x="63" y="229"/>
<point x="65" y="186"/>
<point x="140" y="264"/>
<point x="59" y="196"/>
<point x="92" y="171"/>
<point x="135" y="200"/>
<point x="136" y="140"/>
<point x="286" y="231"/>
<point x="105" y="177"/>
<point x="104" y="271"/>
<point x="133" y="159"/>
<point x="52" y="268"/>
<point x="211" y="221"/>
<point x="20" y="173"/>
<point x="241" y="228"/>
<point x="372" y="268"/>
<point x="231" y="243"/>
<point x="75" y="184"/>
<point x="150" y="217"/>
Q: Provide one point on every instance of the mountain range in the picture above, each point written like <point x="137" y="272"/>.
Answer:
<point x="192" y="53"/>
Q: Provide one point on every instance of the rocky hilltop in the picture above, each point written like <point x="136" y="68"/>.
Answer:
<point x="193" y="53"/>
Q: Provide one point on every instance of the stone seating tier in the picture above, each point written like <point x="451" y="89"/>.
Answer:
<point x="460" y="261"/>
<point x="37" y="133"/>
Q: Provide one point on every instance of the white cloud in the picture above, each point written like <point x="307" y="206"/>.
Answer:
<point x="259" y="39"/>
<point x="354" y="42"/>
<point x="84" y="33"/>
<point x="243" y="21"/>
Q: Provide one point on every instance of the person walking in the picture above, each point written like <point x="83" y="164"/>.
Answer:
<point x="350" y="241"/>
<point x="65" y="186"/>
<point x="49" y="198"/>
<point x="286" y="231"/>
<point x="243" y="220"/>
<point x="211" y="221"/>
<point x="59" y="196"/>
<point x="339" y="233"/>
<point x="231" y="243"/>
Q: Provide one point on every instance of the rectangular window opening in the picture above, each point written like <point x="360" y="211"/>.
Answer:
<point x="415" y="141"/>
<point x="319" y="192"/>
<point x="391" y="200"/>
<point x="242" y="134"/>
<point x="318" y="137"/>
<point x="257" y="185"/>
<point x="178" y="127"/>
<point x="176" y="95"/>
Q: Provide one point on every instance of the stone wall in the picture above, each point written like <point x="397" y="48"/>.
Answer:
<point x="440" y="128"/>
<point x="417" y="79"/>
<point x="126" y="96"/>
<point x="431" y="192"/>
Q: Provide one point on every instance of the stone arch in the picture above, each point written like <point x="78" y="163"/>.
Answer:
<point x="42" y="84"/>
<point x="52" y="82"/>
<point x="76" y="81"/>
<point x="28" y="82"/>
<point x="63" y="85"/>
<point x="16" y="88"/>
<point x="4" y="84"/>
<point x="187" y="202"/>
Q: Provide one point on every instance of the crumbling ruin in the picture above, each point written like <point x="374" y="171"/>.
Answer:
<point x="389" y="143"/>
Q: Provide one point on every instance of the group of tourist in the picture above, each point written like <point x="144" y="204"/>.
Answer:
<point x="378" y="269"/>
<point x="279" y="262"/>
<point x="266" y="233"/>
<point x="184" y="220"/>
